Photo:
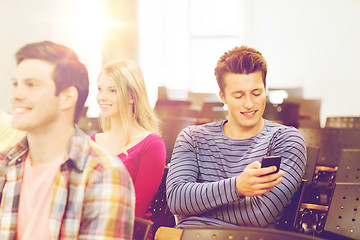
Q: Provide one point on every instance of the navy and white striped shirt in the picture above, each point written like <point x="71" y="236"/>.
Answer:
<point x="201" y="187"/>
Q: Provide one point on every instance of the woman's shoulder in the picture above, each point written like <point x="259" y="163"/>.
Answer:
<point x="96" y="136"/>
<point x="152" y="139"/>
<point x="93" y="137"/>
<point x="151" y="143"/>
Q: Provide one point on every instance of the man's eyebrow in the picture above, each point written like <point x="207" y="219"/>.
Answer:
<point x="238" y="91"/>
<point x="33" y="79"/>
<point x="241" y="91"/>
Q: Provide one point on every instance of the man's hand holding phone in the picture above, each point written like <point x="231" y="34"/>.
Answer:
<point x="259" y="178"/>
<point x="271" y="161"/>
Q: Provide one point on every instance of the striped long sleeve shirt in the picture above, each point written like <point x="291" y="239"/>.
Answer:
<point x="93" y="195"/>
<point x="201" y="183"/>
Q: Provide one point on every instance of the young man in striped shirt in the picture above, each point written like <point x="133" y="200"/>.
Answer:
<point x="215" y="176"/>
<point x="57" y="183"/>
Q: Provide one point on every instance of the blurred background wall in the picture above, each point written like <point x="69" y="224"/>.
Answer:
<point x="309" y="44"/>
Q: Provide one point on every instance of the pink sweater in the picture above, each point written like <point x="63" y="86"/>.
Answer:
<point x="145" y="163"/>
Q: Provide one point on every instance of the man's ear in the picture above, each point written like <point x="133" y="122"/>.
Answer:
<point x="68" y="98"/>
<point x="222" y="97"/>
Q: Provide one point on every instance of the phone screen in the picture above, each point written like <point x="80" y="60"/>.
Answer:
<point x="271" y="161"/>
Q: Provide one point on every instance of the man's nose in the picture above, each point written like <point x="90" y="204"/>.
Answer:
<point x="249" y="103"/>
<point x="17" y="93"/>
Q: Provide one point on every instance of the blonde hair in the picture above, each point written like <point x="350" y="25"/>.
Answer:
<point x="129" y="82"/>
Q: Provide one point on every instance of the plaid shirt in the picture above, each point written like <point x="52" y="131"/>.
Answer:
<point x="93" y="196"/>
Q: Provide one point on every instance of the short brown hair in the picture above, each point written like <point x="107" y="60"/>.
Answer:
<point x="240" y="60"/>
<point x="68" y="70"/>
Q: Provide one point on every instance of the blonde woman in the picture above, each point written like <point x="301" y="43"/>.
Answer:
<point x="130" y="129"/>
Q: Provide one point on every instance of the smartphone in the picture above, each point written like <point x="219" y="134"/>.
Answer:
<point x="271" y="161"/>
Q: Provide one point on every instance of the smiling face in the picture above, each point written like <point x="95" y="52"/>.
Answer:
<point x="245" y="96"/>
<point x="107" y="97"/>
<point x="33" y="100"/>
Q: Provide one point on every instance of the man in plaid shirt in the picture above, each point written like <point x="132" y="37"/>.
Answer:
<point x="57" y="183"/>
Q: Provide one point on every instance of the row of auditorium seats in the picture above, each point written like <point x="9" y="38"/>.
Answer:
<point x="331" y="201"/>
<point x="295" y="112"/>
<point x="338" y="218"/>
